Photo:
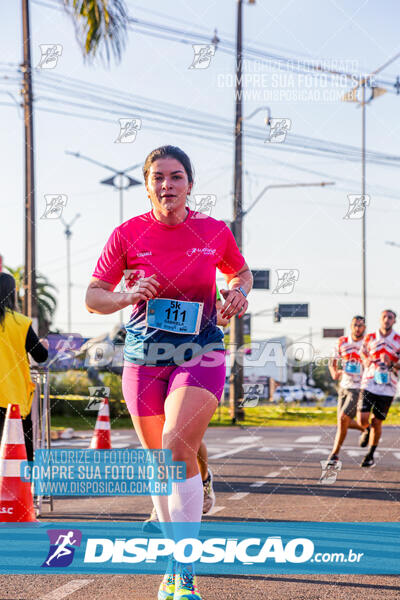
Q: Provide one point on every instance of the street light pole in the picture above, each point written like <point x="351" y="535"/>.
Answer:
<point x="364" y="216"/>
<point x="285" y="185"/>
<point x="30" y="301"/>
<point x="68" y="234"/>
<point x="119" y="181"/>
<point x="236" y="330"/>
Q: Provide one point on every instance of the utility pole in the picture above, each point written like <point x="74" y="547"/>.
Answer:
<point x="68" y="234"/>
<point x="364" y="216"/>
<point x="236" y="329"/>
<point x="30" y="300"/>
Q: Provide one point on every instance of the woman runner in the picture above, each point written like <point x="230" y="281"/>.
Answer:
<point x="174" y="359"/>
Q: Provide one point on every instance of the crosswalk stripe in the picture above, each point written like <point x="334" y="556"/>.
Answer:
<point x="215" y="510"/>
<point x="258" y="483"/>
<point x="238" y="496"/>
<point x="308" y="439"/>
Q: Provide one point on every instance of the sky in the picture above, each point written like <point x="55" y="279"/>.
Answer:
<point x="301" y="229"/>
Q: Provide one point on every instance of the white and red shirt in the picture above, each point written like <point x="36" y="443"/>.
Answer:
<point x="375" y="347"/>
<point x="349" y="352"/>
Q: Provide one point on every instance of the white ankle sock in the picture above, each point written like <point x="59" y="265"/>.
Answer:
<point x="185" y="506"/>
<point x="161" y="506"/>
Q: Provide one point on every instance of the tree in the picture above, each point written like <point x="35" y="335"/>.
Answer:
<point x="99" y="25"/>
<point x="47" y="303"/>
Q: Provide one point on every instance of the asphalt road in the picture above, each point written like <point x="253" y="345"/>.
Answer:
<point x="266" y="474"/>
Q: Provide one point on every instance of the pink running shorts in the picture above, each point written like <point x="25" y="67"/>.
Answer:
<point x="146" y="388"/>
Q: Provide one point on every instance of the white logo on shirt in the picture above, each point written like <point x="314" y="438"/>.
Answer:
<point x="144" y="253"/>
<point x="206" y="251"/>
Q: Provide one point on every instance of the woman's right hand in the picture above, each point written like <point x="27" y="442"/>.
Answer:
<point x="144" y="289"/>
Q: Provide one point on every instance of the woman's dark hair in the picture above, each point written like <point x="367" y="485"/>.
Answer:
<point x="7" y="294"/>
<point x="169" y="152"/>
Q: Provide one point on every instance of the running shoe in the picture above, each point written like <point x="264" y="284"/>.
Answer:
<point x="332" y="460"/>
<point x="364" y="438"/>
<point x="209" y="494"/>
<point x="167" y="588"/>
<point x="368" y="461"/>
<point x="186" y="585"/>
<point x="151" y="523"/>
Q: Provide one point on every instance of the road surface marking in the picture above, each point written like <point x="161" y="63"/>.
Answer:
<point x="356" y="452"/>
<point x="308" y="439"/>
<point x="258" y="483"/>
<point x="316" y="451"/>
<point x="216" y="509"/>
<point x="67" y="589"/>
<point x="285" y="468"/>
<point x="238" y="496"/>
<point x="244" y="439"/>
<point x="276" y="449"/>
<point x="397" y="455"/>
<point x="233" y="451"/>
<point x="273" y="474"/>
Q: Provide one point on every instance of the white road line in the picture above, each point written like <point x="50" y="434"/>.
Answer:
<point x="67" y="589"/>
<point x="216" y="509"/>
<point x="359" y="452"/>
<point x="397" y="455"/>
<point x="258" y="483"/>
<point x="308" y="439"/>
<point x="238" y="496"/>
<point x="276" y="449"/>
<point x="316" y="451"/>
<point x="285" y="468"/>
<point x="233" y="451"/>
<point x="244" y="439"/>
<point x="273" y="474"/>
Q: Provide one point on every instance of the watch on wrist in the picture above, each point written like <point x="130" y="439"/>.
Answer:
<point x="241" y="290"/>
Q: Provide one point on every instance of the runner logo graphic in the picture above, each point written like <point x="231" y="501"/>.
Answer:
<point x="330" y="471"/>
<point x="357" y="205"/>
<point x="128" y="130"/>
<point x="286" y="281"/>
<point x="49" y="55"/>
<point x="55" y="203"/>
<point x="203" y="205"/>
<point x="203" y="54"/>
<point x="97" y="395"/>
<point x="62" y="547"/>
<point x="278" y="129"/>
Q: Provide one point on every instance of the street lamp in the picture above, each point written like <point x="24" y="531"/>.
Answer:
<point x="351" y="96"/>
<point x="284" y="185"/>
<point x="68" y="234"/>
<point x="121" y="182"/>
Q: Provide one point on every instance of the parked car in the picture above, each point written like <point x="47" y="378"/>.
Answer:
<point x="283" y="393"/>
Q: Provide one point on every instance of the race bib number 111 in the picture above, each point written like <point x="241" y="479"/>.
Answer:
<point x="176" y="316"/>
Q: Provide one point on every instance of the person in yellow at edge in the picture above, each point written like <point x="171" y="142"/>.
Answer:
<point x="17" y="338"/>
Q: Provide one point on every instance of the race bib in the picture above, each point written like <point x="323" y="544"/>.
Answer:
<point x="176" y="316"/>
<point x="381" y="376"/>
<point x="352" y="367"/>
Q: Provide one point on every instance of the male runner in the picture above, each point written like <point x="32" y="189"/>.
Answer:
<point x="380" y="353"/>
<point x="349" y="373"/>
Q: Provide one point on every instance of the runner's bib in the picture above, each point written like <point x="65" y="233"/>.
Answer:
<point x="352" y="367"/>
<point x="381" y="377"/>
<point x="176" y="316"/>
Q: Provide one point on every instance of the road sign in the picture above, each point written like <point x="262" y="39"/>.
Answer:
<point x="293" y="310"/>
<point x="332" y="333"/>
<point x="261" y="279"/>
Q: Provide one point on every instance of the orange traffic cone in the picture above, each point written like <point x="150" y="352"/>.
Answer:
<point x="16" y="503"/>
<point x="101" y="439"/>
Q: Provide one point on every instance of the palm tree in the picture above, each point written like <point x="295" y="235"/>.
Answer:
<point x="47" y="303"/>
<point x="99" y="25"/>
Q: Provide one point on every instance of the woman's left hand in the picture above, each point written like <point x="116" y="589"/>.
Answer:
<point x="235" y="303"/>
